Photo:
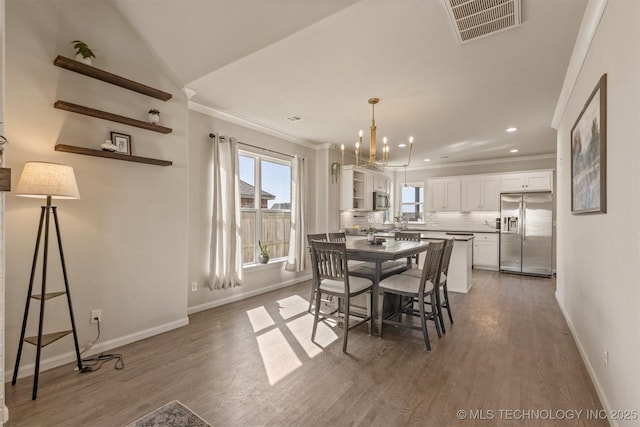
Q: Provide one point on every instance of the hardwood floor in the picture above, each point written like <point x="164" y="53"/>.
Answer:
<point x="251" y="363"/>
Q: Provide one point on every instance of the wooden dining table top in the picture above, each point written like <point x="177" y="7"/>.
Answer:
<point x="391" y="249"/>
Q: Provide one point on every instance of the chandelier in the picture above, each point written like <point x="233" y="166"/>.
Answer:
<point x="374" y="162"/>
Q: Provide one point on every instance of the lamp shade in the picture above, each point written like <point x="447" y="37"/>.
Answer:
<point x="40" y="179"/>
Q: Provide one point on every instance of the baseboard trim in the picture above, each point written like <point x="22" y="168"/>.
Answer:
<point x="244" y="295"/>
<point x="100" y="347"/>
<point x="587" y="363"/>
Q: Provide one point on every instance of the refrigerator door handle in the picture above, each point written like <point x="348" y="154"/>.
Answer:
<point x="523" y="214"/>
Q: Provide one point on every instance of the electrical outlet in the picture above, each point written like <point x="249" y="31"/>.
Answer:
<point x="96" y="314"/>
<point x="606" y="358"/>
<point x="194" y="286"/>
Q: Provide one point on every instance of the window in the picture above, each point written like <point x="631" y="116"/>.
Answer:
<point x="412" y="204"/>
<point x="265" y="205"/>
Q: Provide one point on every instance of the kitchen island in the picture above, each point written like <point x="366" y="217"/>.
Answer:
<point x="460" y="272"/>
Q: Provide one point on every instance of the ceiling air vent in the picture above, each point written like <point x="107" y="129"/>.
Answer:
<point x="294" y="119"/>
<point x="473" y="19"/>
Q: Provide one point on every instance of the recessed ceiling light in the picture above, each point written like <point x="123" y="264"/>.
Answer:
<point x="511" y="129"/>
<point x="515" y="150"/>
<point x="402" y="145"/>
<point x="427" y="160"/>
<point x="294" y="118"/>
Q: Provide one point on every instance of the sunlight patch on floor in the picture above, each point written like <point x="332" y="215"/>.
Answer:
<point x="292" y="306"/>
<point x="301" y="329"/>
<point x="277" y="355"/>
<point x="259" y="319"/>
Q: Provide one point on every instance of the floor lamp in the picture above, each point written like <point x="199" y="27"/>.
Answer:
<point x="50" y="181"/>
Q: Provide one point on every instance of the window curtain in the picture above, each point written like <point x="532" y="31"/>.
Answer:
<point x="297" y="245"/>
<point x="226" y="243"/>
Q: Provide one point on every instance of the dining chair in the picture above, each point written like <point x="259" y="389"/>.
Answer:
<point x="310" y="237"/>
<point x="411" y="236"/>
<point x="331" y="277"/>
<point x="443" y="293"/>
<point x="421" y="290"/>
<point x="444" y="271"/>
<point x="340" y="236"/>
<point x="356" y="268"/>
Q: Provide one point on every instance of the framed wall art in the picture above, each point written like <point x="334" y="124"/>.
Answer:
<point x="122" y="141"/>
<point x="588" y="154"/>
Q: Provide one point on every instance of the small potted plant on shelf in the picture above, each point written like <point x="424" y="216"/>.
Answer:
<point x="83" y="52"/>
<point x="153" y="116"/>
<point x="264" y="253"/>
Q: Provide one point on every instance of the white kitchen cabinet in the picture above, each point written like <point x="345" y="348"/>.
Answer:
<point x="527" y="181"/>
<point x="357" y="186"/>
<point x="485" y="251"/>
<point x="353" y="189"/>
<point x="380" y="183"/>
<point x="471" y="194"/>
<point x="443" y="195"/>
<point x="480" y="193"/>
<point x="490" y="187"/>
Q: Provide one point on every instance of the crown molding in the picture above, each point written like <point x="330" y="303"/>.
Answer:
<point x="478" y="162"/>
<point x="590" y="21"/>
<point x="228" y="117"/>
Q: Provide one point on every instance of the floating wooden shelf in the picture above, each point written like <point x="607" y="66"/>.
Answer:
<point x="110" y="155"/>
<point x="80" y="109"/>
<point x="47" y="338"/>
<point x="108" y="77"/>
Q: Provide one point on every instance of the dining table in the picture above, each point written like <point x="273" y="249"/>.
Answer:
<point x="389" y="250"/>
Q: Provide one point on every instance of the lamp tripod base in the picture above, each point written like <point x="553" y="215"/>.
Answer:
<point x="42" y="340"/>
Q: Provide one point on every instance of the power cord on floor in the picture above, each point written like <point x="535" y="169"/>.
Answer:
<point x="92" y="364"/>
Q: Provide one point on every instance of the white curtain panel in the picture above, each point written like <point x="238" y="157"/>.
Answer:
<point x="297" y="245"/>
<point x="226" y="242"/>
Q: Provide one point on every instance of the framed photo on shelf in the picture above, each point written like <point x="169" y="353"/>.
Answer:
<point x="588" y="154"/>
<point x="122" y="141"/>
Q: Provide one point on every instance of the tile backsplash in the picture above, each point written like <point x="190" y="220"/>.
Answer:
<point x="460" y="221"/>
<point x="455" y="221"/>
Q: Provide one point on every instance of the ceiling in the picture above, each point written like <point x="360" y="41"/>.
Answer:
<point x="266" y="60"/>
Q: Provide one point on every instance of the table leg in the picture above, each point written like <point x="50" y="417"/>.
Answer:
<point x="375" y="313"/>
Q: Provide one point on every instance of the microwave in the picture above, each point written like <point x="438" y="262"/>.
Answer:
<point x="381" y="201"/>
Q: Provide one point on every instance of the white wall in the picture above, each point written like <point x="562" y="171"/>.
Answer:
<point x="599" y="255"/>
<point x="260" y="278"/>
<point x="125" y="241"/>
<point x="2" y="197"/>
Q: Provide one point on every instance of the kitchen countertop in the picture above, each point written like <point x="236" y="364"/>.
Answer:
<point x="427" y="230"/>
<point x="430" y="235"/>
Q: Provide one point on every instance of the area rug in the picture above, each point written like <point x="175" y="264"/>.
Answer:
<point x="173" y="414"/>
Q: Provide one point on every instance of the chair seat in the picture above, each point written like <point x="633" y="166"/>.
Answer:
<point x="443" y="278"/>
<point x="356" y="264"/>
<point x="414" y="272"/>
<point x="356" y="285"/>
<point x="370" y="267"/>
<point x="404" y="284"/>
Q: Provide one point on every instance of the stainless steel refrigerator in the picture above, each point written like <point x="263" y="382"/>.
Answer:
<point x="526" y="233"/>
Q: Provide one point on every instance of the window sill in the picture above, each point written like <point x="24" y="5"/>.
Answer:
<point x="271" y="264"/>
